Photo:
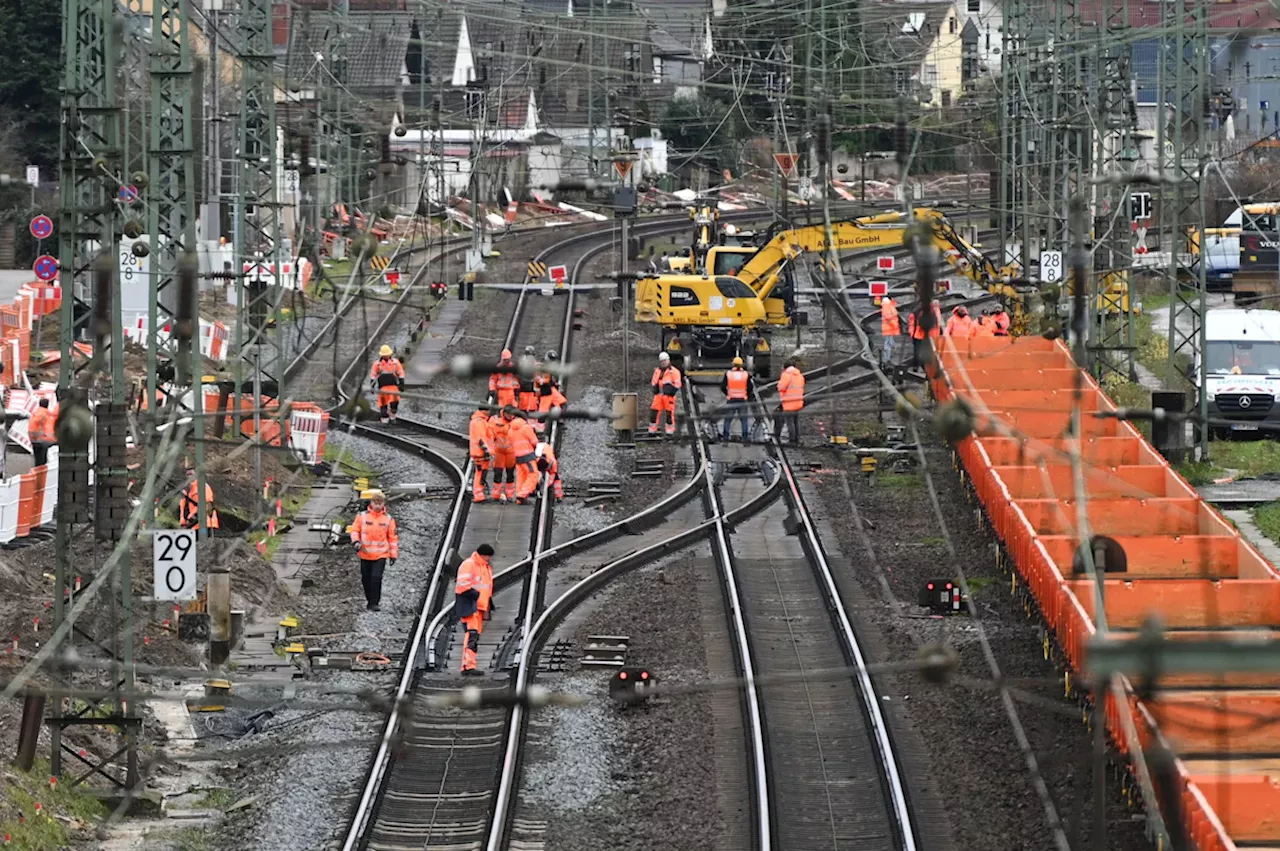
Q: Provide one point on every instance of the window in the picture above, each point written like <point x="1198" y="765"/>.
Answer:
<point x="657" y="69"/>
<point x="733" y="288"/>
<point x="900" y="80"/>
<point x="731" y="262"/>
<point x="974" y="6"/>
<point x="931" y="75"/>
<point x="1226" y="357"/>
<point x="475" y="104"/>
<point x="946" y="98"/>
<point x="951" y="25"/>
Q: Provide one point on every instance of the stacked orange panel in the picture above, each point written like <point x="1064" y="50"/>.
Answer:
<point x="1185" y="564"/>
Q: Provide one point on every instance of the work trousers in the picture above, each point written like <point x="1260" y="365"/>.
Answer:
<point x="738" y="410"/>
<point x="528" y="400"/>
<point x="663" y="403"/>
<point x="478" y="482"/>
<point x="886" y="352"/>
<point x="791" y="419"/>
<point x="920" y="351"/>
<point x="40" y="451"/>
<point x="389" y="404"/>
<point x="526" y="476"/>
<point x="371" y="579"/>
<point x="472" y="626"/>
<point x="504" y="468"/>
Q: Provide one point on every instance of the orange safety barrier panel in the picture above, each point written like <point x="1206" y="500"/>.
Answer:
<point x="28" y="510"/>
<point x="40" y="488"/>
<point x="1184" y="563"/>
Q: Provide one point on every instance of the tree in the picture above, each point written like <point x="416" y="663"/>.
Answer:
<point x="32" y="37"/>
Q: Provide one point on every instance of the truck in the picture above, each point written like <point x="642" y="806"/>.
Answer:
<point x="1242" y="371"/>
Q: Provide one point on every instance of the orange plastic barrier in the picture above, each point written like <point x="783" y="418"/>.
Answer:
<point x="28" y="510"/>
<point x="1185" y="563"/>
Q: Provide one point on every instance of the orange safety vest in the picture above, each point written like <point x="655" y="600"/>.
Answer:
<point x="476" y="574"/>
<point x="960" y="326"/>
<point x="375" y="531"/>
<point x="388" y="373"/>
<point x="791" y="389"/>
<point x="524" y="440"/>
<point x="478" y="432"/>
<point x="40" y="426"/>
<point x="504" y="385"/>
<point x="984" y="328"/>
<point x="916" y="328"/>
<point x="500" y="434"/>
<point x="890" y="323"/>
<point x="736" y="380"/>
<point x="189" y="510"/>
<point x="664" y="378"/>
<point x="549" y="455"/>
<point x="551" y="400"/>
<point x="1002" y="324"/>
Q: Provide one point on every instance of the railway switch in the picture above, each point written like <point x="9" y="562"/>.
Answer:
<point x="943" y="597"/>
<point x="631" y="685"/>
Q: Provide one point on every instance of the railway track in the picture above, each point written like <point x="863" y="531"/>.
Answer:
<point x="446" y="778"/>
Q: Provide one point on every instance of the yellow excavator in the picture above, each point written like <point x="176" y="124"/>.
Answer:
<point x="728" y="308"/>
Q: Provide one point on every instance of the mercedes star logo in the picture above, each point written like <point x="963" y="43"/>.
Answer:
<point x="1245" y="401"/>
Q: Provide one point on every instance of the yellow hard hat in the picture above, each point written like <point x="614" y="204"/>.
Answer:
<point x="372" y="494"/>
<point x="737" y="361"/>
<point x="385" y="351"/>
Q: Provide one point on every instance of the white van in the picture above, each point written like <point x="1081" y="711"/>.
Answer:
<point x="1242" y="370"/>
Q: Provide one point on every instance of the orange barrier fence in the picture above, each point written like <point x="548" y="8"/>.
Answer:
<point x="1185" y="563"/>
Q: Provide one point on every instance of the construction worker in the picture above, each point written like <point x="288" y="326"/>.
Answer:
<point x="736" y="387"/>
<point x="916" y="329"/>
<point x="986" y="325"/>
<point x="890" y="327"/>
<point x="504" y="460"/>
<point x="528" y="378"/>
<point x="548" y="464"/>
<point x="504" y="385"/>
<point x="40" y="432"/>
<point x="473" y="601"/>
<point x="377" y="543"/>
<point x="790" y="400"/>
<point x="666" y="386"/>
<point x="387" y="377"/>
<point x="481" y="454"/>
<point x="1001" y="319"/>
<point x="960" y="325"/>
<point x="524" y="446"/>
<point x="189" y="505"/>
<point x="549" y="396"/>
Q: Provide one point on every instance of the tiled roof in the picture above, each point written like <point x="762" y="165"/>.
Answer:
<point x="678" y="26"/>
<point x="375" y="43"/>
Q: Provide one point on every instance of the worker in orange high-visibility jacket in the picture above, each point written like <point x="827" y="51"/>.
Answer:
<point x="916" y="330"/>
<point x="524" y="446"/>
<point x="387" y="377"/>
<point x="736" y="387"/>
<point x="189" y="509"/>
<point x="960" y="325"/>
<point x="890" y="328"/>
<point x="481" y="455"/>
<point x="374" y="535"/>
<point x="790" y="400"/>
<point x="504" y="385"/>
<point x="527" y="399"/>
<point x="504" y="459"/>
<point x="985" y="326"/>
<point x="551" y="401"/>
<point x="1001" y="320"/>
<point x="40" y="432"/>
<point x="473" y="601"/>
<point x="666" y="387"/>
<point x="548" y="464"/>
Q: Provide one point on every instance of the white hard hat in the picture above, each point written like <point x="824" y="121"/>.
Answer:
<point x="663" y="356"/>
<point x="540" y="449"/>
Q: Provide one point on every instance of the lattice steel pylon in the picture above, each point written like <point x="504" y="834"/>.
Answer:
<point x="1181" y="127"/>
<point x="170" y="198"/>
<point x="1113" y="123"/>
<point x="260" y="355"/>
<point x="89" y="173"/>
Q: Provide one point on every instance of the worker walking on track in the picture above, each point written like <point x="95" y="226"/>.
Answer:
<point x="528" y="379"/>
<point x="790" y="400"/>
<point x="549" y="396"/>
<point x="387" y="377"/>
<point x="916" y="329"/>
<point x="378" y="544"/>
<point x="189" y="504"/>
<point x="890" y="328"/>
<point x="481" y="454"/>
<point x="40" y="432"/>
<point x="504" y="460"/>
<point x="524" y="446"/>
<point x="473" y="600"/>
<point x="1001" y="320"/>
<point x="666" y="387"/>
<point x="503" y="384"/>
<point x="736" y="387"/>
<point x="960" y="325"/>
<point x="548" y="464"/>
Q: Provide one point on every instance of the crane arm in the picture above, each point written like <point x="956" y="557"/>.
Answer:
<point x="762" y="272"/>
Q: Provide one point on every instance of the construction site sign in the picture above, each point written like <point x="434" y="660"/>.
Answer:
<point x="558" y="274"/>
<point x="787" y="163"/>
<point x="878" y="289"/>
<point x="623" y="168"/>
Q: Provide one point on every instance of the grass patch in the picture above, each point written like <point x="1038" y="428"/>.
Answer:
<point x="32" y="829"/>
<point x="1154" y="301"/>
<point x="218" y="799"/>
<point x="932" y="542"/>
<point x="193" y="839"/>
<point x="901" y="481"/>
<point x="1129" y="394"/>
<point x="1198" y="473"/>
<point x="273" y="543"/>
<point x="1268" y="519"/>
<point x="342" y="458"/>
<point x="1249" y="457"/>
<point x="977" y="583"/>
<point x="866" y="431"/>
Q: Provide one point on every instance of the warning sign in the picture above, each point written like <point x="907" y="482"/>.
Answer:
<point x="878" y="289"/>
<point x="623" y="168"/>
<point x="885" y="264"/>
<point x="787" y="163"/>
<point x="558" y="274"/>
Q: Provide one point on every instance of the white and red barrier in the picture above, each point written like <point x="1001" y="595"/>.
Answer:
<point x="308" y="428"/>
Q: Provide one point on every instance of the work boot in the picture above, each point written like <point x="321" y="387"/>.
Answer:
<point x="671" y="429"/>
<point x="502" y="498"/>
<point x="472" y="672"/>
<point x="653" y="428"/>
<point x="374" y="607"/>
<point x="385" y="420"/>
